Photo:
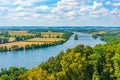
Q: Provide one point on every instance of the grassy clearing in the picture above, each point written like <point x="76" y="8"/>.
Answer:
<point x="51" y="34"/>
<point x="20" y="33"/>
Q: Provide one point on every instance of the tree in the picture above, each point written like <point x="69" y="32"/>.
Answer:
<point x="57" y="36"/>
<point x="18" y="38"/>
<point x="5" y="77"/>
<point x="5" y="40"/>
<point x="76" y="37"/>
<point x="38" y="35"/>
<point x="79" y="48"/>
<point x="49" y="36"/>
<point x="15" y="47"/>
<point x="36" y="74"/>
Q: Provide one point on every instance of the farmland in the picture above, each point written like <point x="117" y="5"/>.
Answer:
<point x="99" y="32"/>
<point x="18" y="39"/>
<point x="20" y="33"/>
<point x="32" y="41"/>
<point x="51" y="34"/>
<point x="20" y="44"/>
<point x="11" y="39"/>
<point x="45" y="39"/>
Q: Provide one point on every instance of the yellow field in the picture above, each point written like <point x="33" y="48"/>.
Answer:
<point x="32" y="41"/>
<point x="51" y="34"/>
<point x="45" y="39"/>
<point x="100" y="32"/>
<point x="20" y="44"/>
<point x="11" y="39"/>
<point x="20" y="33"/>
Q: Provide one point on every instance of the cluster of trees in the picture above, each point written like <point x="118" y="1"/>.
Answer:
<point x="4" y="34"/>
<point x="109" y="36"/>
<point x="22" y="38"/>
<point x="4" y="40"/>
<point x="3" y="49"/>
<point x="80" y="63"/>
<point x="12" y="73"/>
<point x="4" y="37"/>
<point x="66" y="35"/>
<point x="76" y="37"/>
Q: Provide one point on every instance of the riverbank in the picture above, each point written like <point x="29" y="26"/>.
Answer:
<point x="31" y="44"/>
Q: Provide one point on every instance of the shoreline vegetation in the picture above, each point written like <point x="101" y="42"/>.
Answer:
<point x="22" y="40"/>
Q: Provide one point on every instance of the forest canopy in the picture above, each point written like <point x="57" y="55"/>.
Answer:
<point x="80" y="63"/>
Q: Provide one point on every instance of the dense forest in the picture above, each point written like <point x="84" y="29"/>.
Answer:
<point x="101" y="62"/>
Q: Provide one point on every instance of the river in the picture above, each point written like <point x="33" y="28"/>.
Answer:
<point x="31" y="58"/>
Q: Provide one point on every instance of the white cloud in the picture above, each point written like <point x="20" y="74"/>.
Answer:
<point x="36" y="15"/>
<point x="65" y="5"/>
<point x="108" y="3"/>
<point x="27" y="2"/>
<point x="67" y="8"/>
<point x="95" y="6"/>
<point x="6" y="2"/>
<point x="116" y="4"/>
<point x="3" y="11"/>
<point x="62" y="11"/>
<point x="42" y="9"/>
<point x="95" y="10"/>
<point x="22" y="3"/>
<point x="115" y="12"/>
<point x="101" y="12"/>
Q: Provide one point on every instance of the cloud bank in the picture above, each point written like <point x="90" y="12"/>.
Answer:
<point x="60" y="12"/>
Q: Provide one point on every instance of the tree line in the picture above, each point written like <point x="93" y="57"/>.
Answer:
<point x="4" y="40"/>
<point x="27" y="46"/>
<point x="110" y="36"/>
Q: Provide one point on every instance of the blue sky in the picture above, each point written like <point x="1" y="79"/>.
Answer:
<point x="59" y="12"/>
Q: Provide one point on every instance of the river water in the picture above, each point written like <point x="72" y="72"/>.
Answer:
<point x="32" y="58"/>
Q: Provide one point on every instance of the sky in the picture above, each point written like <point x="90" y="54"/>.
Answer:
<point x="59" y="12"/>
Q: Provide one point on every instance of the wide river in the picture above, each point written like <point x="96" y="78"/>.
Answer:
<point x="31" y="58"/>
